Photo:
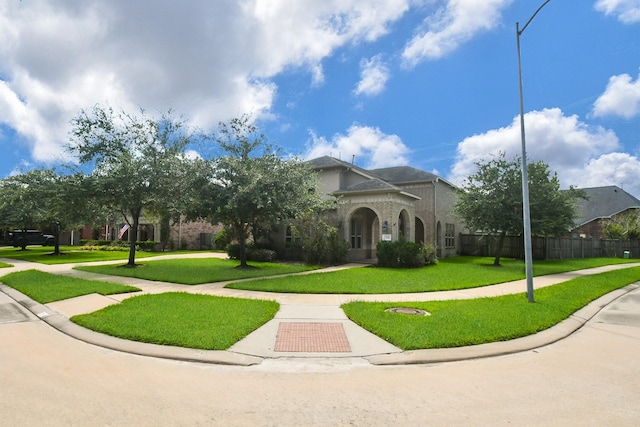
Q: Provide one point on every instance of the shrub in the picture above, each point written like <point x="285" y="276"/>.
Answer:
<point x="261" y="255"/>
<point x="233" y="250"/>
<point x="320" y="242"/>
<point x="222" y="239"/>
<point x="403" y="254"/>
<point x="253" y="253"/>
<point x="147" y="245"/>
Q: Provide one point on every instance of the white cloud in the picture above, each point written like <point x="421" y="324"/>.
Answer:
<point x="621" y="169"/>
<point x="627" y="11"/>
<point x="621" y="98"/>
<point x="373" y="76"/>
<point x="369" y="143"/>
<point x="210" y="61"/>
<point x="452" y="25"/>
<point x="565" y="143"/>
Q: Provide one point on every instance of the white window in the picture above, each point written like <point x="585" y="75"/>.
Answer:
<point x="450" y="236"/>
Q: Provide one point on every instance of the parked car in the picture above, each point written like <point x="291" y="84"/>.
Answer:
<point x="24" y="238"/>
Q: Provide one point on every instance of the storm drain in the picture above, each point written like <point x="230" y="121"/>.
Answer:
<point x="312" y="338"/>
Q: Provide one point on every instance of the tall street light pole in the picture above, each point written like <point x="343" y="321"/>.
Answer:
<point x="528" y="257"/>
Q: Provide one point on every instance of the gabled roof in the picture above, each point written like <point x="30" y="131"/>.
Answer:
<point x="371" y="185"/>
<point x="604" y="202"/>
<point x="403" y="174"/>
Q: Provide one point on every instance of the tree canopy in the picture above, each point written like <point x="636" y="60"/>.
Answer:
<point x="491" y="200"/>
<point x="45" y="199"/>
<point x="623" y="226"/>
<point x="139" y="163"/>
<point x="250" y="187"/>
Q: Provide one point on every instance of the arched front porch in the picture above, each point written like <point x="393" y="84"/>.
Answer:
<point x="363" y="234"/>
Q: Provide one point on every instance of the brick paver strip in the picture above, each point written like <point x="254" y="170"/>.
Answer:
<point x="312" y="338"/>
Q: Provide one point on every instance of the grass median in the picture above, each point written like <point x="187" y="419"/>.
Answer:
<point x="46" y="287"/>
<point x="459" y="323"/>
<point x="181" y="319"/>
<point x="194" y="271"/>
<point x="461" y="272"/>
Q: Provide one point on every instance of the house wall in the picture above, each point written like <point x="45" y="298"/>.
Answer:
<point x="328" y="181"/>
<point x="445" y="198"/>
<point x="435" y="206"/>
<point x="187" y="235"/>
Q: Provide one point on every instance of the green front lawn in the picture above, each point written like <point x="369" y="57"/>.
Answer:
<point x="181" y="319"/>
<point x="467" y="322"/>
<point x="69" y="254"/>
<point x="448" y="274"/>
<point x="45" y="287"/>
<point x="196" y="271"/>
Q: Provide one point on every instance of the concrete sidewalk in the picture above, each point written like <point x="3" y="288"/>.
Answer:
<point x="307" y="325"/>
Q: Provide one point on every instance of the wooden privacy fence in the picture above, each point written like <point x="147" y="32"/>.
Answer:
<point x="549" y="247"/>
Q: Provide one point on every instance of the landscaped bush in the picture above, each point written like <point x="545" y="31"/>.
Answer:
<point x="233" y="250"/>
<point x="147" y="245"/>
<point x="261" y="255"/>
<point x="403" y="254"/>
<point x="94" y="242"/>
<point x="116" y="245"/>
<point x="221" y="239"/>
<point x="253" y="253"/>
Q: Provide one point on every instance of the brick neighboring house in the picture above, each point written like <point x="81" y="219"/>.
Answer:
<point x="194" y="235"/>
<point x="604" y="203"/>
<point x="388" y="204"/>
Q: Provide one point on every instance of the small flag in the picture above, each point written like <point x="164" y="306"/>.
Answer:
<point x="123" y="230"/>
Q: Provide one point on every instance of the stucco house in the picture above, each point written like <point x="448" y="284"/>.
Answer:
<point x="603" y="203"/>
<point x="388" y="204"/>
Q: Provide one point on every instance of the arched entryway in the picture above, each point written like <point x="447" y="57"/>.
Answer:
<point x="364" y="234"/>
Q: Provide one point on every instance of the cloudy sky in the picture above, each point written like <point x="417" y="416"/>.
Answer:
<point x="427" y="83"/>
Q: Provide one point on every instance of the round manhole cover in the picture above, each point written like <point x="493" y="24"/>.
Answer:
<point x="409" y="311"/>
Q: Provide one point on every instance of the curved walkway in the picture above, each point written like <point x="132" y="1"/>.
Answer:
<point x="306" y="326"/>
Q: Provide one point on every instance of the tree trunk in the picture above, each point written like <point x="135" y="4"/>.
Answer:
<point x="133" y="234"/>
<point x="496" y="261"/>
<point x="56" y="242"/>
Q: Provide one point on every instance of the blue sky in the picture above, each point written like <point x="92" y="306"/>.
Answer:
<point x="426" y="83"/>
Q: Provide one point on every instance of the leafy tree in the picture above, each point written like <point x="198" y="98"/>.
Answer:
<point x="491" y="200"/>
<point x="17" y="208"/>
<point x="45" y="199"/>
<point x="319" y="241"/>
<point x="139" y="163"/>
<point x="624" y="226"/>
<point x="250" y="186"/>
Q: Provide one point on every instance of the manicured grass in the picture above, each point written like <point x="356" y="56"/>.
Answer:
<point x="5" y="265"/>
<point x="181" y="319"/>
<point x="477" y="321"/>
<point x="448" y="274"/>
<point x="197" y="270"/>
<point x="69" y="254"/>
<point x="45" y="287"/>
